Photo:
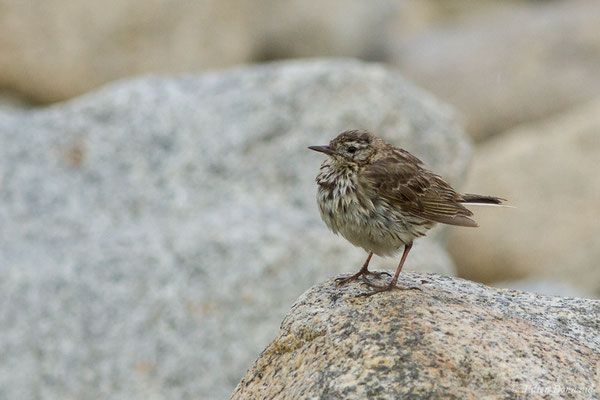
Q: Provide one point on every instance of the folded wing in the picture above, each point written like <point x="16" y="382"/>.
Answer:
<point x="405" y="184"/>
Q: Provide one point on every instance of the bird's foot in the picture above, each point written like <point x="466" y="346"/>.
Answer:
<point x="377" y="274"/>
<point x="391" y="286"/>
<point x="360" y="274"/>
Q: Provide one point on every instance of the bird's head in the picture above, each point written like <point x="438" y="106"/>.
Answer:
<point x="351" y="148"/>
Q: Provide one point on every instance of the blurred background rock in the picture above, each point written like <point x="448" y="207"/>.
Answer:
<point x="522" y="74"/>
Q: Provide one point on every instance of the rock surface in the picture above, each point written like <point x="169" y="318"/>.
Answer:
<point x="548" y="171"/>
<point x="509" y="66"/>
<point x="154" y="233"/>
<point x="455" y="339"/>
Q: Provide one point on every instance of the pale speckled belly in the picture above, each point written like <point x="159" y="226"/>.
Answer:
<point x="374" y="227"/>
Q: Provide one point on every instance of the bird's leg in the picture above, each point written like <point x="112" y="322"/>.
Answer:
<point x="363" y="271"/>
<point x="392" y="284"/>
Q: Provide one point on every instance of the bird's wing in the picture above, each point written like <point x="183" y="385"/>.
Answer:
<point x="403" y="183"/>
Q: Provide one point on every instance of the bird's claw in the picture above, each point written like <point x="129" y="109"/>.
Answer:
<point x="343" y="281"/>
<point x="360" y="274"/>
<point x="385" y="288"/>
<point x="378" y="273"/>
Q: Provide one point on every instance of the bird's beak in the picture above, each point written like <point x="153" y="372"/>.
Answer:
<point x="323" y="149"/>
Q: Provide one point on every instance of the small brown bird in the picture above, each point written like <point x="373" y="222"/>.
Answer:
<point x="380" y="197"/>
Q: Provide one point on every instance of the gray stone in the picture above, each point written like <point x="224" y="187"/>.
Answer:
<point x="154" y="233"/>
<point x="454" y="339"/>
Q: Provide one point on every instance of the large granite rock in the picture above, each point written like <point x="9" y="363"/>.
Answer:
<point x="455" y="339"/>
<point x="508" y="65"/>
<point x="548" y="170"/>
<point x="154" y="233"/>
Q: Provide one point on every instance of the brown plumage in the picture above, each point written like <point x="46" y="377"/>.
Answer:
<point x="380" y="197"/>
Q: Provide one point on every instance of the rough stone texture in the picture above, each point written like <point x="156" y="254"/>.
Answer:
<point x="154" y="233"/>
<point x="515" y="64"/>
<point x="549" y="172"/>
<point x="56" y="49"/>
<point x="455" y="339"/>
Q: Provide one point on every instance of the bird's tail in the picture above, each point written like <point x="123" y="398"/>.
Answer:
<point x="478" y="199"/>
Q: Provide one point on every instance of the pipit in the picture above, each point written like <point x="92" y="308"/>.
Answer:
<point x="381" y="198"/>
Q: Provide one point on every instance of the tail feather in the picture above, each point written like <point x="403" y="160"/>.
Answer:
<point x="480" y="199"/>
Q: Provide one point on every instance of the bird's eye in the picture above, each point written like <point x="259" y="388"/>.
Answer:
<point x="351" y="149"/>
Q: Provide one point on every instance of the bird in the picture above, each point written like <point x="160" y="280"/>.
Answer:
<point x="381" y="198"/>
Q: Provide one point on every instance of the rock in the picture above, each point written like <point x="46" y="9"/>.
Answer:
<point x="154" y="233"/>
<point x="454" y="339"/>
<point x="62" y="48"/>
<point x="351" y="28"/>
<point x="415" y="18"/>
<point x="547" y="171"/>
<point x="510" y="65"/>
